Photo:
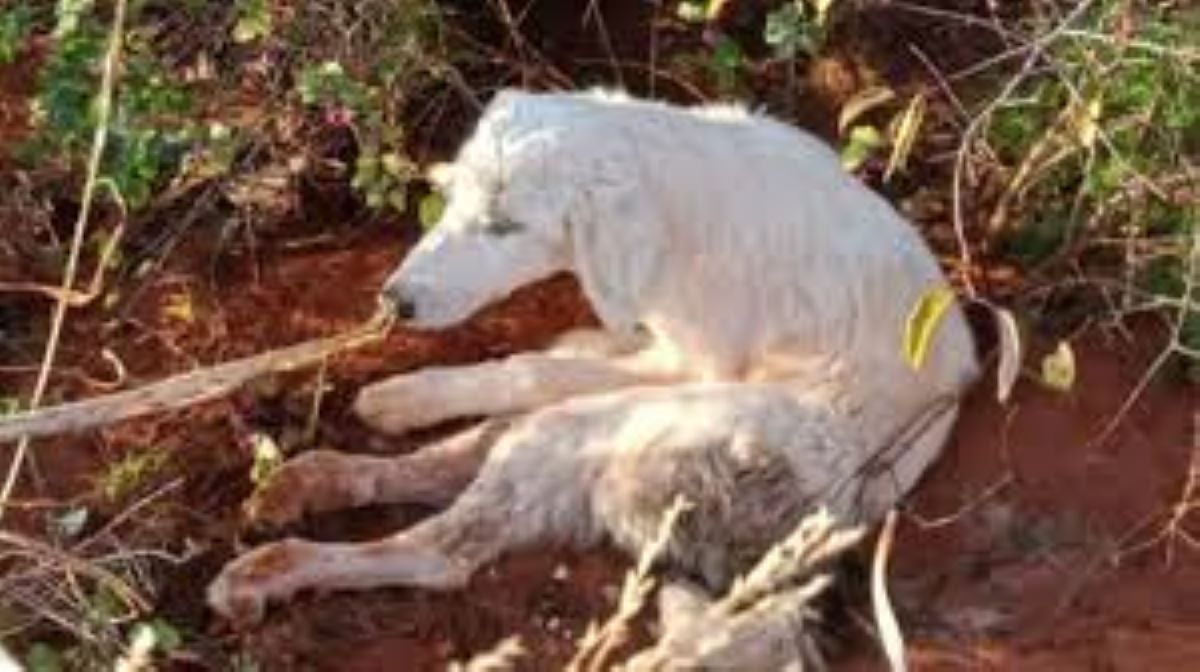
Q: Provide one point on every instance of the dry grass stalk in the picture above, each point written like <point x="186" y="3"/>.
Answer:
<point x="890" y="636"/>
<point x="762" y="622"/>
<point x="599" y="643"/>
<point x="501" y="657"/>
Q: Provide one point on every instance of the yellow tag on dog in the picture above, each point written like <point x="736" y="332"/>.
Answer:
<point x="923" y="321"/>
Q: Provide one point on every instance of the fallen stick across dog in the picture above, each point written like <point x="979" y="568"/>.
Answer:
<point x="185" y="389"/>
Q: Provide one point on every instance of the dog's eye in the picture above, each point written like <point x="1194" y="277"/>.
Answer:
<point x="502" y="227"/>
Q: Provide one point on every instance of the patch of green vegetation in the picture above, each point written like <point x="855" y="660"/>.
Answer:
<point x="798" y="28"/>
<point x="15" y="25"/>
<point x="145" y="644"/>
<point x="382" y="171"/>
<point x="395" y="51"/>
<point x="150" y="131"/>
<point x="9" y="406"/>
<point x="158" y="131"/>
<point x="130" y="474"/>
<point x="254" y="22"/>
<point x="1098" y="147"/>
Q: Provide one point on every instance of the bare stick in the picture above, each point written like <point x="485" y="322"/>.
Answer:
<point x="182" y="390"/>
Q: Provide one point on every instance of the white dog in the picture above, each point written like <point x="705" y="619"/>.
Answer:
<point x="753" y="297"/>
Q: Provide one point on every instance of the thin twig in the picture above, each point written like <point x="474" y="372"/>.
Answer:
<point x="1186" y="308"/>
<point x="1035" y="50"/>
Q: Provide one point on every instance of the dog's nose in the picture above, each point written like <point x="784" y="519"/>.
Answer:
<point x="401" y="305"/>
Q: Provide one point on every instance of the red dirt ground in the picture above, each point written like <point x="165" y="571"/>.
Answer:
<point x="1021" y="578"/>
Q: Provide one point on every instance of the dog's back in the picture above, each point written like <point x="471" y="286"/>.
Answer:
<point x="774" y="262"/>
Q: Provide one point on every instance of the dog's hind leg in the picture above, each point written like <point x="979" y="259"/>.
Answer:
<point x="748" y="457"/>
<point x="520" y="383"/>
<point x="326" y="480"/>
<point x="532" y="487"/>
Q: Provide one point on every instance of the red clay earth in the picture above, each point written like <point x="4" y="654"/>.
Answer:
<point x="1018" y="575"/>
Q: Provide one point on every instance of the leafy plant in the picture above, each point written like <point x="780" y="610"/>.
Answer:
<point x="798" y="27"/>
<point x="15" y="24"/>
<point x="149" y="133"/>
<point x="382" y="171"/>
<point x="1096" y="153"/>
<point x="42" y="657"/>
<point x="255" y="21"/>
<point x="130" y="473"/>
<point x="726" y="64"/>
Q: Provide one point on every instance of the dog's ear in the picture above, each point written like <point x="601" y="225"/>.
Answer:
<point x="615" y="248"/>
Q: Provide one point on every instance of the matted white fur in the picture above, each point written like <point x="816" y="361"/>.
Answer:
<point x="753" y="297"/>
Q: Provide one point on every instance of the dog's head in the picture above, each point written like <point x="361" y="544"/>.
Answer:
<point x="504" y="225"/>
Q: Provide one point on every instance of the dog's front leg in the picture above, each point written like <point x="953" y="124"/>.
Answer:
<point x="520" y="383"/>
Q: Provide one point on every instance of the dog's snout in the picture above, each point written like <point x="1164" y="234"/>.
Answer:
<point x="401" y="304"/>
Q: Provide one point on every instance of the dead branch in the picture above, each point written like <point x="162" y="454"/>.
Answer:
<point x="183" y="390"/>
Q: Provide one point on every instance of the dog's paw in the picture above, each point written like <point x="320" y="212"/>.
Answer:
<point x="245" y="586"/>
<point x="403" y="403"/>
<point x="314" y="482"/>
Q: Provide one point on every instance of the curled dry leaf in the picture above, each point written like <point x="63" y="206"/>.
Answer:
<point x="1058" y="368"/>
<point x="864" y="101"/>
<point x="1010" y="353"/>
<point x="904" y="134"/>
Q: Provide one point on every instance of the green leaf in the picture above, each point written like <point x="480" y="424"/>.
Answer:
<point x="1058" y="368"/>
<point x="15" y="24"/>
<point x="254" y="21"/>
<point x="788" y="31"/>
<point x="69" y="14"/>
<point x="430" y="210"/>
<point x="167" y="637"/>
<point x="398" y="166"/>
<point x="69" y="523"/>
<point x="397" y="198"/>
<point x="863" y="141"/>
<point x="727" y="56"/>
<point x="43" y="658"/>
<point x="268" y="458"/>
<point x="366" y="170"/>
<point x="9" y="406"/>
<point x="923" y="322"/>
